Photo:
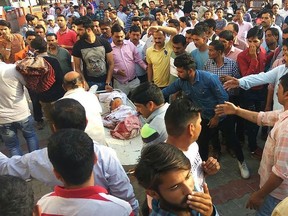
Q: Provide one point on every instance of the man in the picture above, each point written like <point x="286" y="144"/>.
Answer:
<point x="48" y="97"/>
<point x="165" y="173"/>
<point x="152" y="8"/>
<point x="227" y="39"/>
<point x="14" y="111"/>
<point x="97" y="29"/>
<point x="16" y="197"/>
<point x="220" y="21"/>
<point x="114" y="18"/>
<point x="41" y="31"/>
<point x="54" y="50"/>
<point x="146" y="13"/>
<point x="145" y="23"/>
<point x="273" y="166"/>
<point x="160" y="18"/>
<point x="66" y="37"/>
<point x="244" y="26"/>
<point x="72" y="12"/>
<point x="71" y="152"/>
<point x="183" y="132"/>
<point x="31" y="22"/>
<point x="178" y="12"/>
<point x="149" y="101"/>
<point x="30" y="35"/>
<point x="252" y="61"/>
<point x="90" y="13"/>
<point x="267" y="22"/>
<point x="129" y="19"/>
<point x="125" y="56"/>
<point x="10" y="43"/>
<point x="279" y="20"/>
<point x="135" y="35"/>
<point x="158" y="56"/>
<point x="205" y="90"/>
<point x="74" y="86"/>
<point x="211" y="34"/>
<point x="105" y="27"/>
<point x="284" y="11"/>
<point x="200" y="54"/>
<point x="52" y="26"/>
<point x="121" y="14"/>
<point x="96" y="55"/>
<point x="238" y="43"/>
<point x="108" y="172"/>
<point x="189" y="40"/>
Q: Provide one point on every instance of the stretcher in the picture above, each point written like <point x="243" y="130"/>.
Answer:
<point x="128" y="151"/>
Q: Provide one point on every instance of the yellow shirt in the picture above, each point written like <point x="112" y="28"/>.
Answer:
<point x="160" y="60"/>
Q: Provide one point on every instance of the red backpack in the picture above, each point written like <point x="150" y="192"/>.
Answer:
<point x="37" y="72"/>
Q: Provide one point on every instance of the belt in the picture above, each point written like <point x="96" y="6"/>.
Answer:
<point x="132" y="79"/>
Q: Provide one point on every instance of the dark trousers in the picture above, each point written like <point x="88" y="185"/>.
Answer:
<point x="227" y="126"/>
<point x="252" y="100"/>
<point x="37" y="109"/>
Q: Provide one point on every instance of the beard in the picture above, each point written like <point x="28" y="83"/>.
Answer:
<point x="168" y="206"/>
<point x="85" y="36"/>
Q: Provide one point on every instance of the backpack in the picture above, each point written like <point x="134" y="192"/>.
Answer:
<point x="37" y="72"/>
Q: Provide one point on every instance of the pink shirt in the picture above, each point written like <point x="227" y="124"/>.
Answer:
<point x="233" y="53"/>
<point x="275" y="154"/>
<point x="244" y="27"/>
<point x="68" y="38"/>
<point x="125" y="57"/>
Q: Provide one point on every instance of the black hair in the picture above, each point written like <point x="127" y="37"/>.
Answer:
<point x="71" y="152"/>
<point x="39" y="44"/>
<point x="68" y="113"/>
<point x="116" y="28"/>
<point x="29" y="17"/>
<point x="227" y="35"/>
<point x="155" y="161"/>
<point x="51" y="34"/>
<point x="185" y="111"/>
<point x="175" y="22"/>
<point x="218" y="45"/>
<point x="135" y="28"/>
<point x="85" y="21"/>
<point x="40" y="27"/>
<point x="235" y="26"/>
<point x="285" y="31"/>
<point x="211" y="23"/>
<point x="185" y="61"/>
<point x="267" y="11"/>
<point x="159" y="11"/>
<point x="146" y="92"/>
<point x="284" y="82"/>
<point x="179" y="39"/>
<point x="256" y="31"/>
<point x="285" y="42"/>
<point x="16" y="196"/>
<point x="135" y="19"/>
<point x="31" y="33"/>
<point x="145" y="19"/>
<point x="274" y="32"/>
<point x="5" y="23"/>
<point x="185" y="20"/>
<point x="199" y="31"/>
<point x="61" y="15"/>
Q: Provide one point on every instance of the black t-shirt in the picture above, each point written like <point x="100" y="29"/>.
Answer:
<point x="93" y="56"/>
<point x="56" y="91"/>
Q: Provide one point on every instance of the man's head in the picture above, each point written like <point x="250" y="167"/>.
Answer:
<point x="188" y="121"/>
<point x="31" y="19"/>
<point x="255" y="36"/>
<point x="199" y="37"/>
<point x="61" y="21"/>
<point x="271" y="36"/>
<point x="179" y="44"/>
<point x="16" y="197"/>
<point x="68" y="113"/>
<point x="227" y="39"/>
<point x="39" y="45"/>
<point x="147" y="98"/>
<point x="220" y="13"/>
<point x="135" y="34"/>
<point x="51" y="39"/>
<point x="208" y="15"/>
<point x="165" y="172"/>
<point x="58" y="11"/>
<point x="233" y="27"/>
<point x="275" y="8"/>
<point x="30" y="35"/>
<point x="145" y="23"/>
<point x="159" y="15"/>
<point x="146" y="11"/>
<point x="239" y="14"/>
<point x="118" y="34"/>
<point x="174" y="23"/>
<point x="152" y="4"/>
<point x="266" y="18"/>
<point x="97" y="29"/>
<point x="112" y="14"/>
<point x="101" y="5"/>
<point x="51" y="20"/>
<point x="215" y="49"/>
<point x="136" y="21"/>
<point x="194" y="15"/>
<point x="185" y="65"/>
<point x="71" y="152"/>
<point x="40" y="30"/>
<point x="73" y="80"/>
<point x="211" y="24"/>
<point x="159" y="38"/>
<point x="5" y="28"/>
<point x="282" y="92"/>
<point x="106" y="29"/>
<point x="85" y="27"/>
<point x="188" y="36"/>
<point x="184" y="22"/>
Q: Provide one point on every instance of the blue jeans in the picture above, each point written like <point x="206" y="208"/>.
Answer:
<point x="9" y="134"/>
<point x="268" y="206"/>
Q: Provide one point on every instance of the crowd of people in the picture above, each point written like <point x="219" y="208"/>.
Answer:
<point x="187" y="66"/>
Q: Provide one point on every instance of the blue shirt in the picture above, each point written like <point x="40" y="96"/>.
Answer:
<point x="206" y="92"/>
<point x="200" y="58"/>
<point x="157" y="211"/>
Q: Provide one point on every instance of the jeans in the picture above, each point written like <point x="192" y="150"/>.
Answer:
<point x="101" y="85"/>
<point x="9" y="134"/>
<point x="268" y="206"/>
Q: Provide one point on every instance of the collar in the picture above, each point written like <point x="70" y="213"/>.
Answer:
<point x="158" y="112"/>
<point x="125" y="42"/>
<point x="283" y="115"/>
<point x="79" y="192"/>
<point x="64" y="32"/>
<point x="73" y="91"/>
<point x="225" y="61"/>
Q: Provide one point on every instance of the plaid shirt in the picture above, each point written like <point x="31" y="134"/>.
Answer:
<point x="275" y="152"/>
<point x="157" y="211"/>
<point x="229" y="67"/>
<point x="128" y="22"/>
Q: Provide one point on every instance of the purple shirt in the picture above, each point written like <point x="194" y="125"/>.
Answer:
<point x="125" y="57"/>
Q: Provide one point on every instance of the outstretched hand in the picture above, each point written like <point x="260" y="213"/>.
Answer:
<point x="226" y="109"/>
<point x="229" y="82"/>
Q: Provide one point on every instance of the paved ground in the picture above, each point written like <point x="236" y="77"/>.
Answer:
<point x="230" y="193"/>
